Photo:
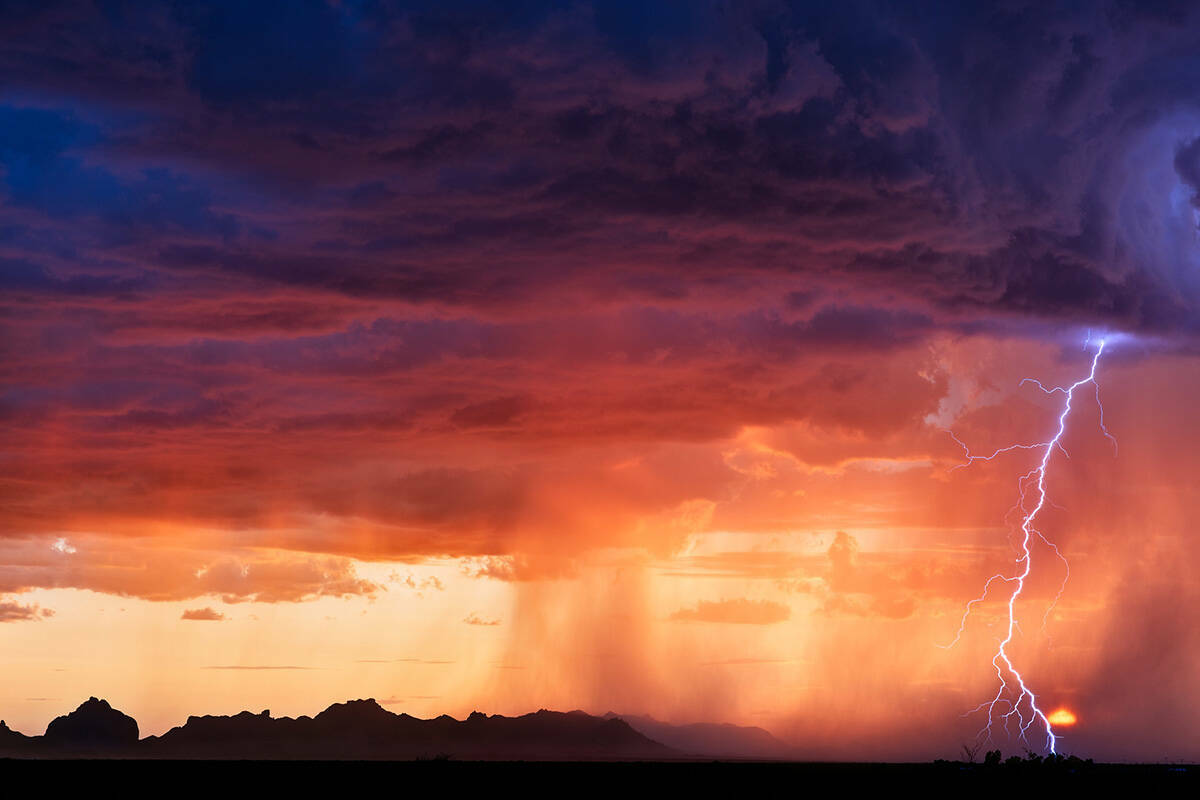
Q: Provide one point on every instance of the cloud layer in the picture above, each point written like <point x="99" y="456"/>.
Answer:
<point x="300" y="295"/>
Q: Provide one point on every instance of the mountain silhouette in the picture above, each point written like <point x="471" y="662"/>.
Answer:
<point x="13" y="742"/>
<point x="95" y="725"/>
<point x="357" y="729"/>
<point x="710" y="739"/>
<point x="365" y="730"/>
<point x="362" y="729"/>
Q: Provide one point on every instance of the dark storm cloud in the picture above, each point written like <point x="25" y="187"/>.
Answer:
<point x="46" y="173"/>
<point x="970" y="158"/>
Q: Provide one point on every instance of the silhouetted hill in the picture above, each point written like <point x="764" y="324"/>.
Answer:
<point x="358" y="730"/>
<point x="12" y="742"/>
<point x="95" y="725"/>
<point x="362" y="729"/>
<point x="709" y="739"/>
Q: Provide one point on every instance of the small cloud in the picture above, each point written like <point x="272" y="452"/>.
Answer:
<point x="475" y="619"/>
<point x="739" y="611"/>
<point x="203" y="614"/>
<point x="409" y="581"/>
<point x="501" y="568"/>
<point x="61" y="545"/>
<point x="12" y="611"/>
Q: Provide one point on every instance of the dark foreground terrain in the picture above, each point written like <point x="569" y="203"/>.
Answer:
<point x="683" y="779"/>
<point x="362" y="730"/>
<point x="358" y="747"/>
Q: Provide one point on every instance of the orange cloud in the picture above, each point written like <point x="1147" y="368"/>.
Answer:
<point x="203" y="614"/>
<point x="164" y="569"/>
<point x="12" y="611"/>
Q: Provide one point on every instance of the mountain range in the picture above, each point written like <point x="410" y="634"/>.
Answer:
<point x="364" y="730"/>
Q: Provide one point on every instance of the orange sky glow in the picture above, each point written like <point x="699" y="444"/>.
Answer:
<point x="798" y="574"/>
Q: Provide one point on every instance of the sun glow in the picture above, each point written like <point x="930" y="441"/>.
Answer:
<point x="1062" y="717"/>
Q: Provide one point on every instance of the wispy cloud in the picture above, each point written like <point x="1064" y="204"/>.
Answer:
<point x="203" y="615"/>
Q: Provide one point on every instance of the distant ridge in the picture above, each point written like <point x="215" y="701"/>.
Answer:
<point x="718" y="740"/>
<point x="354" y="730"/>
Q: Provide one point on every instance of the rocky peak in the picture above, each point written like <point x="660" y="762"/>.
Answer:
<point x="94" y="724"/>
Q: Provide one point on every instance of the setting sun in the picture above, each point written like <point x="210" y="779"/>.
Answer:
<point x="1062" y="717"/>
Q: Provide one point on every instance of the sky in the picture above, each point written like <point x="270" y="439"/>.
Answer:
<point x="603" y="356"/>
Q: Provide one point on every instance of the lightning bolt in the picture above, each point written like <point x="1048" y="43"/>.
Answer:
<point x="1014" y="702"/>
